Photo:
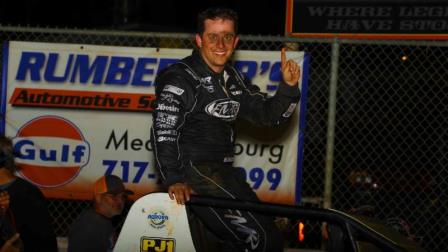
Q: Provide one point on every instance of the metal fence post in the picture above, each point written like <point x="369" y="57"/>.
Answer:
<point x="329" y="157"/>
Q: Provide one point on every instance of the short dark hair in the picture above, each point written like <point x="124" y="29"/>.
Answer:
<point x="7" y="154"/>
<point x="217" y="13"/>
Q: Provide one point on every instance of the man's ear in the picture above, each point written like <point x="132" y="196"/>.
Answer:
<point x="237" y="39"/>
<point x="198" y="40"/>
<point x="97" y="197"/>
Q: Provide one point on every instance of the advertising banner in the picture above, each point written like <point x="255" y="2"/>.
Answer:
<point x="76" y="112"/>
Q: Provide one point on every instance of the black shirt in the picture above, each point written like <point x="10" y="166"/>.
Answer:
<point x="91" y="232"/>
<point x="30" y="216"/>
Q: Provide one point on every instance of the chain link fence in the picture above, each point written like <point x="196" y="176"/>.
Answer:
<point x="389" y="154"/>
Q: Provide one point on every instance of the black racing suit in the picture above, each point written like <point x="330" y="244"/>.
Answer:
<point x="193" y="141"/>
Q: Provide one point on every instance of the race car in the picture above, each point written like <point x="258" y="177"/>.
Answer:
<point x="157" y="223"/>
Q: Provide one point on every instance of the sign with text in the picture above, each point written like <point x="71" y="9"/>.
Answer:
<point x="77" y="112"/>
<point x="385" y="19"/>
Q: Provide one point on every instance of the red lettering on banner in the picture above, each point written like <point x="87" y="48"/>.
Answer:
<point x="52" y="98"/>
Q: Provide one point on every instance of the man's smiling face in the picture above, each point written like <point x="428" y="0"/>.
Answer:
<point x="217" y="43"/>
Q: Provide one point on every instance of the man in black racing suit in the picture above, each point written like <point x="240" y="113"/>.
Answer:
<point x="198" y="101"/>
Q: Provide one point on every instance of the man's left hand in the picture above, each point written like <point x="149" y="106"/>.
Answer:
<point x="290" y="70"/>
<point x="180" y="192"/>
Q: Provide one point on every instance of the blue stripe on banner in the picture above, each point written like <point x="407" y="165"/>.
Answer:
<point x="302" y="124"/>
<point x="4" y="88"/>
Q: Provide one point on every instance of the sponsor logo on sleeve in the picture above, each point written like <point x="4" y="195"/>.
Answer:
<point x="167" y="132"/>
<point x="166" y="139"/>
<point x="290" y="110"/>
<point x="169" y="98"/>
<point x="164" y="120"/>
<point x="173" y="89"/>
<point x="170" y="108"/>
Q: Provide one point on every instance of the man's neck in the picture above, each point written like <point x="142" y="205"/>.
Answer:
<point x="101" y="211"/>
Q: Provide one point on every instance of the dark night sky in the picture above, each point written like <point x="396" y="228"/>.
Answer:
<point x="256" y="17"/>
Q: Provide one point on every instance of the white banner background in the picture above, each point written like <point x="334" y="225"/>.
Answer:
<point x="117" y="142"/>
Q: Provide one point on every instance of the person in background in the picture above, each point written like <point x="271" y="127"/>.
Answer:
<point x="198" y="101"/>
<point x="23" y="207"/>
<point x="93" y="231"/>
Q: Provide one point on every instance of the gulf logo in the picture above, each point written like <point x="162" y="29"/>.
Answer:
<point x="52" y="151"/>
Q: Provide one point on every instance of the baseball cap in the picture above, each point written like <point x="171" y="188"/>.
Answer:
<point x="111" y="184"/>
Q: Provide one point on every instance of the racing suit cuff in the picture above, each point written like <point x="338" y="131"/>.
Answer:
<point x="287" y="90"/>
<point x="173" y="180"/>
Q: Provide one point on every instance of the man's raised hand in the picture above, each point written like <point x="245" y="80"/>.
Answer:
<point x="290" y="70"/>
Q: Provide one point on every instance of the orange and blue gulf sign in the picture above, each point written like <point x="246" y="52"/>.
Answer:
<point x="52" y="151"/>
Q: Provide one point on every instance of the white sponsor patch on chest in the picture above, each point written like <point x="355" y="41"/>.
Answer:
<point x="223" y="109"/>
